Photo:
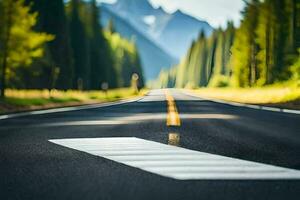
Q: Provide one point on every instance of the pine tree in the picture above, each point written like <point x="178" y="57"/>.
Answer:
<point x="293" y="17"/>
<point x="229" y="39"/>
<point x="203" y="61"/>
<point x="80" y="47"/>
<point x="52" y="19"/>
<point x="193" y="66"/>
<point x="219" y="59"/>
<point x="102" y="65"/>
<point x="211" y="54"/>
<point x="126" y="60"/>
<point x="111" y="27"/>
<point x="182" y="68"/>
<point x="98" y="68"/>
<point x="296" y="23"/>
<point x="20" y="43"/>
<point x="263" y="50"/>
<point x="244" y="50"/>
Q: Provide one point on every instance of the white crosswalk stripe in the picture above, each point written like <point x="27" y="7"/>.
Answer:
<point x="175" y="162"/>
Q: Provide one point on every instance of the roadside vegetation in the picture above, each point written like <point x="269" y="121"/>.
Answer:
<point x="276" y="95"/>
<point x="74" y="53"/>
<point x="262" y="51"/>
<point x="65" y="63"/>
<point x="21" y="100"/>
<point x="257" y="62"/>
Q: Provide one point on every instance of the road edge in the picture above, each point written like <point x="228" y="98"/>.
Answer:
<point x="256" y="107"/>
<point x="70" y="108"/>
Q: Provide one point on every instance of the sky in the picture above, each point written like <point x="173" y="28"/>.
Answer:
<point x="215" y="12"/>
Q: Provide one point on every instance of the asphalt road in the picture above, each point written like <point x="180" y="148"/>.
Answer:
<point x="31" y="167"/>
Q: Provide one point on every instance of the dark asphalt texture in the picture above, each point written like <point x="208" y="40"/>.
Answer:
<point x="33" y="168"/>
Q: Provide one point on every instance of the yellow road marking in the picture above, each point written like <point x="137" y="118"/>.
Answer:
<point x="173" y="116"/>
<point x="174" y="139"/>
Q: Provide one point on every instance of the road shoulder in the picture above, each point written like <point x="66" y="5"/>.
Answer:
<point x="70" y="108"/>
<point x="267" y="107"/>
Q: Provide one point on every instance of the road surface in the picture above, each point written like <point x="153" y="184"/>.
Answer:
<point x="166" y="145"/>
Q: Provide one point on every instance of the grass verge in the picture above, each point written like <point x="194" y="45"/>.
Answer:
<point x="22" y="100"/>
<point x="276" y="96"/>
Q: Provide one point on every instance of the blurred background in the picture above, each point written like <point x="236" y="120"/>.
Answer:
<point x="87" y="45"/>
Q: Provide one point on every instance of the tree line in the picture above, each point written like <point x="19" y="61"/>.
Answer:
<point x="57" y="45"/>
<point x="262" y="50"/>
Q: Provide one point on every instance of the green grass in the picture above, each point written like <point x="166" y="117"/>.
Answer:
<point x="33" y="99"/>
<point x="37" y="101"/>
<point x="275" y="94"/>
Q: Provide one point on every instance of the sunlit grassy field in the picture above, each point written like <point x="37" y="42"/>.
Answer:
<point x="34" y="99"/>
<point x="283" y="96"/>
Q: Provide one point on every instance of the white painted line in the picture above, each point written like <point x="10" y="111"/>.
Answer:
<point x="67" y="109"/>
<point x="85" y="123"/>
<point x="266" y="108"/>
<point x="175" y="162"/>
<point x="291" y="111"/>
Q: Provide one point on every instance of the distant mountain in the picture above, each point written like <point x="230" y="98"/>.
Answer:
<point x="153" y="57"/>
<point x="179" y="32"/>
<point x="137" y="7"/>
<point x="162" y="38"/>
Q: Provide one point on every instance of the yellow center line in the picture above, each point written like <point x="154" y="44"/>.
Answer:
<point x="172" y="116"/>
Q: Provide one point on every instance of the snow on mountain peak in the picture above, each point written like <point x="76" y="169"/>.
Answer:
<point x="173" y="32"/>
<point x="149" y="19"/>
